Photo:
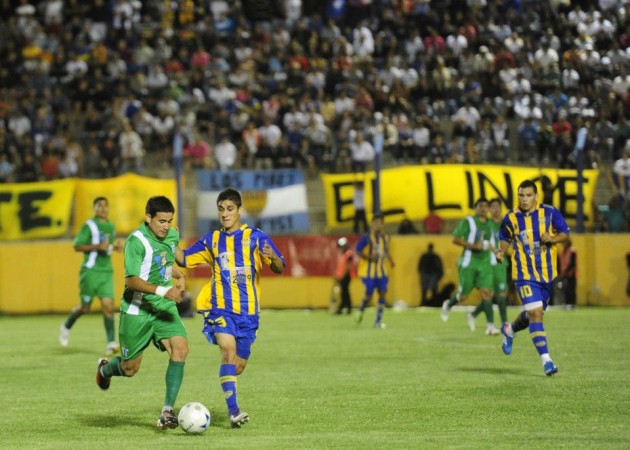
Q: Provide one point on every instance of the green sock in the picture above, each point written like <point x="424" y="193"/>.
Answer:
<point x="453" y="300"/>
<point x="502" y="303"/>
<point x="112" y="368"/>
<point x="487" y="308"/>
<point x="109" y="328"/>
<point x="478" y="309"/>
<point x="174" y="377"/>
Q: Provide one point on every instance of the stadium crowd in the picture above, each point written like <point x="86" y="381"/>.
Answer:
<point x="94" y="89"/>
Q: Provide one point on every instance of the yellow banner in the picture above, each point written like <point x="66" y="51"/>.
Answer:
<point x="127" y="196"/>
<point x="451" y="191"/>
<point x="35" y="210"/>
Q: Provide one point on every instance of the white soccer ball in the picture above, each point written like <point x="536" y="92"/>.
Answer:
<point x="194" y="418"/>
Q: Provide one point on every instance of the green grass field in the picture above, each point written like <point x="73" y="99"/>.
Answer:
<point x="322" y="381"/>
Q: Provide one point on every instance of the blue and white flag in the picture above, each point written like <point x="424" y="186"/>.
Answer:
<point x="273" y="200"/>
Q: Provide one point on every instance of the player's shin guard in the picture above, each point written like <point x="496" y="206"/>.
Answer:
<point x="521" y="322"/>
<point x="227" y="377"/>
<point x="174" y="377"/>
<point x="539" y="337"/>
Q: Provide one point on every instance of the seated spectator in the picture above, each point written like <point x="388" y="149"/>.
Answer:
<point x="433" y="223"/>
<point x="406" y="226"/>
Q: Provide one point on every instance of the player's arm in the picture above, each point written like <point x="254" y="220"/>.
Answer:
<point x="180" y="278"/>
<point x="554" y="239"/>
<point x="500" y="252"/>
<point x="137" y="284"/>
<point x="474" y="246"/>
<point x="276" y="262"/>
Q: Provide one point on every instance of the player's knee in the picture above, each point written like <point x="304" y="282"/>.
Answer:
<point x="129" y="371"/>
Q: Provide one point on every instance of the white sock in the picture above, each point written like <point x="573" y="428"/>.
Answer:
<point x="545" y="357"/>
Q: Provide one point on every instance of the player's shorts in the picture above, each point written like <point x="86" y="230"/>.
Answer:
<point x="242" y="327"/>
<point x="372" y="284"/>
<point x="94" y="283"/>
<point x="475" y="276"/>
<point x="500" y="277"/>
<point x="136" y="332"/>
<point x="533" y="294"/>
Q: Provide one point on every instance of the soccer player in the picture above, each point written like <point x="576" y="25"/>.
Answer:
<point x="373" y="252"/>
<point x="148" y="312"/>
<point x="533" y="231"/>
<point x="473" y="267"/>
<point x="499" y="269"/>
<point x="230" y="302"/>
<point x="96" y="278"/>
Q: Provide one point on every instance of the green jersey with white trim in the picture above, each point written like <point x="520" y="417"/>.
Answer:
<point x="472" y="230"/>
<point x="150" y="259"/>
<point x="93" y="232"/>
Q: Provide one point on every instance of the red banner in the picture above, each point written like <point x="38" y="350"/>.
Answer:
<point x="305" y="256"/>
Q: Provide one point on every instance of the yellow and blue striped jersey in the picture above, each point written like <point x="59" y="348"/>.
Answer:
<point x="533" y="260"/>
<point x="236" y="260"/>
<point x="372" y="244"/>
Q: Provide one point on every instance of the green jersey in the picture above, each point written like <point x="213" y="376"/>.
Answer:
<point x="150" y="259"/>
<point x="473" y="230"/>
<point x="93" y="232"/>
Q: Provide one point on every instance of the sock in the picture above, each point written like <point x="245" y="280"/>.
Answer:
<point x="502" y="303"/>
<point x="109" y="328"/>
<point x="453" y="300"/>
<point x="227" y="377"/>
<point x="379" y="311"/>
<point x="112" y="368"/>
<point x="521" y="322"/>
<point x="486" y="305"/>
<point x="539" y="337"/>
<point x="364" y="303"/>
<point x="477" y="310"/>
<point x="174" y="377"/>
<point x="70" y="320"/>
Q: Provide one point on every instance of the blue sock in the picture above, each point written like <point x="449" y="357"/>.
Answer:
<point x="539" y="337"/>
<point x="379" y="311"/>
<point x="227" y="377"/>
<point x="363" y="304"/>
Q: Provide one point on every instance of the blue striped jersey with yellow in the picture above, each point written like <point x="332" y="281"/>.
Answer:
<point x="236" y="260"/>
<point x="369" y="245"/>
<point x="533" y="260"/>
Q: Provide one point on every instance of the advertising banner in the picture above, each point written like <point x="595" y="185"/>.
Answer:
<point x="306" y="256"/>
<point x="273" y="200"/>
<point x="35" y="210"/>
<point x="451" y="190"/>
<point x="127" y="195"/>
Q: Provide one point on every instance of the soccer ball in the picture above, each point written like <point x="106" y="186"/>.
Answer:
<point x="194" y="418"/>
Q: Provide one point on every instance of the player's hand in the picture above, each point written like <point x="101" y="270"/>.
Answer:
<point x="546" y="239"/>
<point x="118" y="245"/>
<point x="498" y="253"/>
<point x="103" y="246"/>
<point x="175" y="294"/>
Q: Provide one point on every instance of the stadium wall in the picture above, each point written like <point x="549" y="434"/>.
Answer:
<point x="42" y="276"/>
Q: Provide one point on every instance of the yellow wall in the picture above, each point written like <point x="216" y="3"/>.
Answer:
<point x="42" y="276"/>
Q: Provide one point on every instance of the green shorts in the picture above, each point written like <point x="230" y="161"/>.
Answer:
<point x="500" y="277"/>
<point x="94" y="284"/>
<point x="474" y="276"/>
<point x="136" y="332"/>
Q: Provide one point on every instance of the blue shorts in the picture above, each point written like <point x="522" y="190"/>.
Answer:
<point x="375" y="283"/>
<point x="533" y="294"/>
<point x="242" y="327"/>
